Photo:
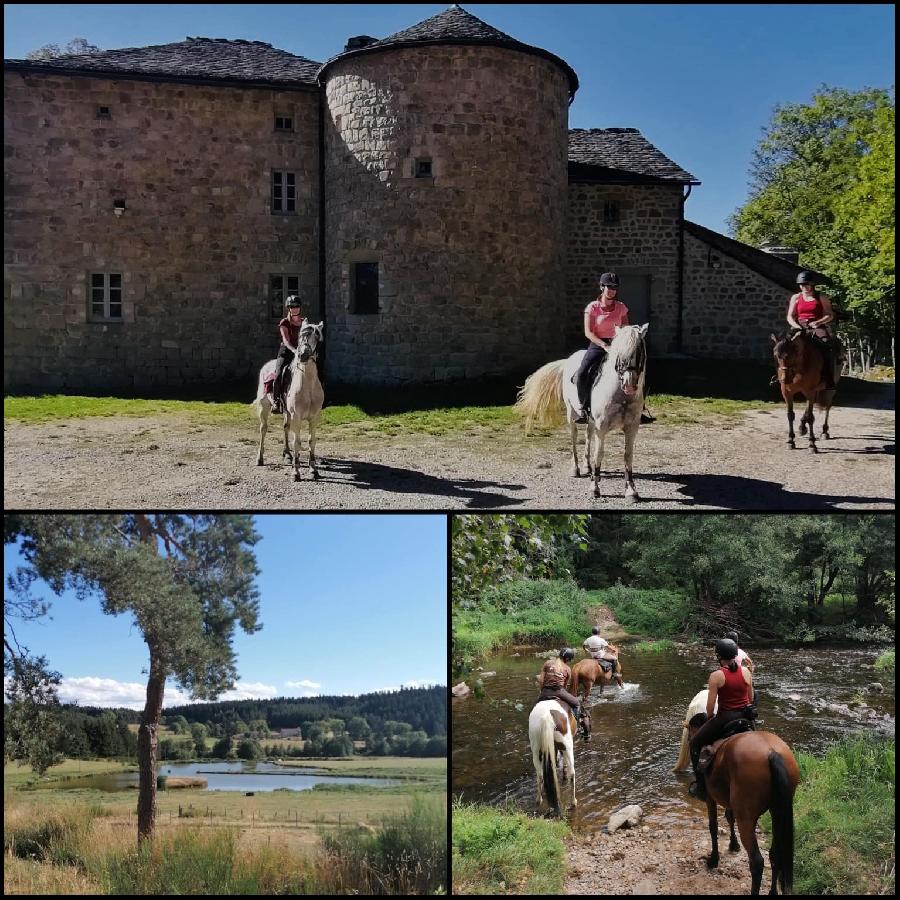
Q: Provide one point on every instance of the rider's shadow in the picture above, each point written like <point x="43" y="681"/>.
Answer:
<point x="375" y="476"/>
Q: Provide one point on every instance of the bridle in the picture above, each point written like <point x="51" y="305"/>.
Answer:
<point x="304" y="344"/>
<point x="637" y="360"/>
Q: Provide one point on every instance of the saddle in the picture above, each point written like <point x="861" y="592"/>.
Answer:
<point x="608" y="665"/>
<point x="708" y="753"/>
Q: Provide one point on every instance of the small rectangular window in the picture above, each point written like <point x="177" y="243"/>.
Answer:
<point x="365" y="289"/>
<point x="106" y="297"/>
<point x="611" y="212"/>
<point x="104" y="112"/>
<point x="423" y="168"/>
<point x="284" y="123"/>
<point x="280" y="288"/>
<point x="284" y="192"/>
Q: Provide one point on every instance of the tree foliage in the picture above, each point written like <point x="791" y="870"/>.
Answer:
<point x="822" y="180"/>
<point x="75" y="47"/>
<point x="490" y="549"/>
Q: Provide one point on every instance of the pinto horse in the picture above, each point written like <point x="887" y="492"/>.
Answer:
<point x="551" y="729"/>
<point x="697" y="705"/>
<point x="750" y="773"/>
<point x="801" y="371"/>
<point x="587" y="671"/>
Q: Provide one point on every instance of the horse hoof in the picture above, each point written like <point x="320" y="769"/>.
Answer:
<point x="315" y="475"/>
<point x="813" y="448"/>
<point x="734" y="846"/>
<point x="632" y="498"/>
<point x="712" y="861"/>
<point x="259" y="462"/>
<point x="575" y="472"/>
<point x="296" y="476"/>
<point x="792" y="445"/>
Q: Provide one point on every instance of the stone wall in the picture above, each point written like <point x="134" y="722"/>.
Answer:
<point x="644" y="243"/>
<point x="729" y="309"/>
<point x="195" y="245"/>
<point x="471" y="259"/>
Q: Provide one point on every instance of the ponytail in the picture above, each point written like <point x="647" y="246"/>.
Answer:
<point x="732" y="665"/>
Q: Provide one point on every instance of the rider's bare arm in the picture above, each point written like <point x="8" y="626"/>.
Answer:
<point x="748" y="677"/>
<point x="792" y="308"/>
<point x="716" y="680"/>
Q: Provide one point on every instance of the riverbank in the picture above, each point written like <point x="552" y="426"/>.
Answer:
<point x="844" y="841"/>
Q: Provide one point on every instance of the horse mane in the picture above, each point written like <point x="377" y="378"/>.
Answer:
<point x="625" y="344"/>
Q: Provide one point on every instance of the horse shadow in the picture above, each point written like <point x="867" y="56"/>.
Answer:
<point x="748" y="494"/>
<point x="376" y="476"/>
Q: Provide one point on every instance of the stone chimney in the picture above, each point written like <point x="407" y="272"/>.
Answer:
<point x="788" y="254"/>
<point x="361" y="40"/>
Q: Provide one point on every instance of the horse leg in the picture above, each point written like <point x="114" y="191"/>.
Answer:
<point x="811" y="420"/>
<point x="747" y="828"/>
<point x="570" y="762"/>
<point x="825" y="431"/>
<point x="598" y="458"/>
<point x="312" y="449"/>
<point x="733" y="844"/>
<point x="298" y="446"/>
<point x="286" y="453"/>
<point x="588" y="444"/>
<point x="789" y="399"/>
<point x="630" y="492"/>
<point x="713" y="859"/>
<point x="264" y="407"/>
<point x="574" y="433"/>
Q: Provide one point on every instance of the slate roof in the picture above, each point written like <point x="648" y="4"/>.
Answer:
<point x="456" y="26"/>
<point x="197" y="59"/>
<point x="772" y="267"/>
<point x="620" y="156"/>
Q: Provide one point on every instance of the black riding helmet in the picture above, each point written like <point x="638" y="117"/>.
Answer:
<point x="731" y="636"/>
<point x="609" y="279"/>
<point x="566" y="654"/>
<point x="806" y="278"/>
<point x="726" y="649"/>
<point x="292" y="301"/>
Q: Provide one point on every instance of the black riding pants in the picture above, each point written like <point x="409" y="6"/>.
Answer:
<point x="590" y="362"/>
<point x="285" y="358"/>
<point x="712" y="731"/>
<point x="560" y="694"/>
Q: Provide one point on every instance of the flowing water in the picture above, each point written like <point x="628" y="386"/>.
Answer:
<point x="808" y="696"/>
<point x="224" y="776"/>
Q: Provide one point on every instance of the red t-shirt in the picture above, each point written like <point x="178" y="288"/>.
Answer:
<point x="734" y="694"/>
<point x="603" y="320"/>
<point x="293" y="330"/>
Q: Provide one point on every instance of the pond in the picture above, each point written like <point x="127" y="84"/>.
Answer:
<point x="225" y="776"/>
<point x="809" y="696"/>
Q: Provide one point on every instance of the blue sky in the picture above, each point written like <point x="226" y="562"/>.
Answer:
<point x="349" y="604"/>
<point x="699" y="81"/>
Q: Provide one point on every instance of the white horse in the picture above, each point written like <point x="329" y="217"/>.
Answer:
<point x="617" y="398"/>
<point x="303" y="401"/>
<point x="697" y="705"/>
<point x="551" y="727"/>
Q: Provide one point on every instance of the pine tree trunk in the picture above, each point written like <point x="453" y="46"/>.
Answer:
<point x="147" y="749"/>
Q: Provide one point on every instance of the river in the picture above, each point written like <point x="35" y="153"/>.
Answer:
<point x="809" y="696"/>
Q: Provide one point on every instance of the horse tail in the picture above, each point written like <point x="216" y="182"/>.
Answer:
<point x="547" y="756"/>
<point x="782" y="809"/>
<point x="540" y="399"/>
<point x="684" y="756"/>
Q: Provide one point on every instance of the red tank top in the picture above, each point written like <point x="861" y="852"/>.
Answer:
<point x="733" y="694"/>
<point x="808" y="308"/>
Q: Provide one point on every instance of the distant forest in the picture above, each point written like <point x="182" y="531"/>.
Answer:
<point x="409" y="722"/>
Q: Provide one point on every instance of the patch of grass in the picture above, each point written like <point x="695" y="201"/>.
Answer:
<point x="655" y="613"/>
<point x="844" y="819"/>
<point x="885" y="661"/>
<point x="672" y="409"/>
<point x="497" y="851"/>
<point x="651" y="646"/>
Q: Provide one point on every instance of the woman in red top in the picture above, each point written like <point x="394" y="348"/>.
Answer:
<point x="289" y="329"/>
<point x="811" y="311"/>
<point x="732" y="686"/>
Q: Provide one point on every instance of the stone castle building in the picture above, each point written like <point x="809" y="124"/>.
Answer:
<point x="423" y="194"/>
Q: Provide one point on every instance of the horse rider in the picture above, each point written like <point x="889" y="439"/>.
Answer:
<point x="289" y="329"/>
<point x="742" y="657"/>
<point x="601" y="317"/>
<point x="732" y="685"/>
<point x="554" y="676"/>
<point x="811" y="312"/>
<point x="596" y="647"/>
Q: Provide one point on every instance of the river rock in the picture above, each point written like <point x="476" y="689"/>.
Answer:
<point x="876" y="687"/>
<point x="487" y="674"/>
<point x="808" y="670"/>
<point x="547" y="654"/>
<point x="515" y="654"/>
<point x="460" y="690"/>
<point x="626" y="817"/>
<point x="794" y="697"/>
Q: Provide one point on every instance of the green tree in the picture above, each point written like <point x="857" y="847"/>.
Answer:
<point x="249" y="749"/>
<point x="186" y="579"/>
<point x="358" y="729"/>
<point x="221" y="748"/>
<point x="822" y="180"/>
<point x="198" y="736"/>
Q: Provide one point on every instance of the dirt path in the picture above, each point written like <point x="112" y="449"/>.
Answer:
<point x="171" y="462"/>
<point x="664" y="859"/>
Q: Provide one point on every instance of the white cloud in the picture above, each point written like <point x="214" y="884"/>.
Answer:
<point x="107" y="692"/>
<point x="249" y="690"/>
<point x="304" y="688"/>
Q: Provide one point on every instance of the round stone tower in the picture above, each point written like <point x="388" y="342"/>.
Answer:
<point x="445" y="195"/>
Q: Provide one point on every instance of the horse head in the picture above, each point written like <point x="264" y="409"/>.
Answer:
<point x="629" y="354"/>
<point x="310" y="338"/>
<point x="788" y="351"/>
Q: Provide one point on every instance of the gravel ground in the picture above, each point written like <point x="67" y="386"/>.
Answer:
<point x="169" y="462"/>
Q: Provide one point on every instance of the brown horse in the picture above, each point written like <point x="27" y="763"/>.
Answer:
<point x="588" y="671"/>
<point x="753" y="772"/>
<point x="801" y="371"/>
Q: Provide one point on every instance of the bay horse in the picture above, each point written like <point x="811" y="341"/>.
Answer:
<point x="617" y="398"/>
<point x="551" y="730"/>
<point x="588" y="671"/>
<point x="750" y="773"/>
<point x="303" y="400"/>
<point x="800" y="370"/>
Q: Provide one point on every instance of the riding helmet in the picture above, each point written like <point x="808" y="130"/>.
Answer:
<point x="609" y="279"/>
<point x="566" y="654"/>
<point x="595" y="630"/>
<point x="731" y="636"/>
<point x="292" y="300"/>
<point x="806" y="278"/>
<point x="726" y="649"/>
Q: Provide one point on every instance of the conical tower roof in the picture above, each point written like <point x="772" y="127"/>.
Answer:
<point x="455" y="26"/>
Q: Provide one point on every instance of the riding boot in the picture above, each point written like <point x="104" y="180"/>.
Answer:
<point x="584" y="395"/>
